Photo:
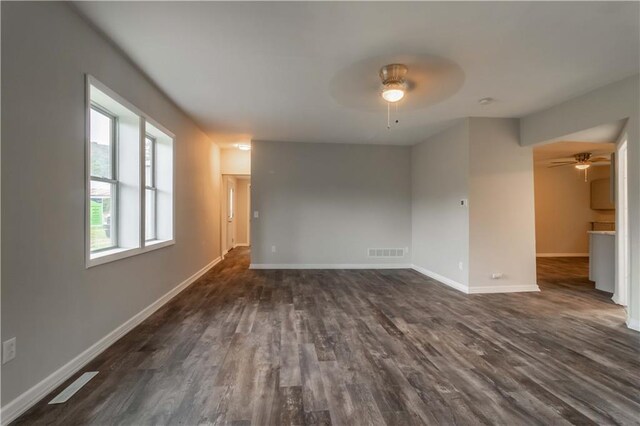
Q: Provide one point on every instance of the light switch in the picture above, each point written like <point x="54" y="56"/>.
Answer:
<point x="255" y="214"/>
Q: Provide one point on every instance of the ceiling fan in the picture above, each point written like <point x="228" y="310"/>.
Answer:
<point x="581" y="161"/>
<point x="394" y="86"/>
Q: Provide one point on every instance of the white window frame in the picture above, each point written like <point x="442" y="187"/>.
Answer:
<point x="113" y="181"/>
<point x="99" y="257"/>
<point x="151" y="186"/>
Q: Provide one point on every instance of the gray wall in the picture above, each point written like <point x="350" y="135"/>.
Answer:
<point x="479" y="160"/>
<point x="53" y="305"/>
<point x="329" y="203"/>
<point x="501" y="207"/>
<point x="440" y="225"/>
<point x="604" y="105"/>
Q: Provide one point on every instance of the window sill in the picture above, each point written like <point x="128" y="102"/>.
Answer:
<point x="108" y="256"/>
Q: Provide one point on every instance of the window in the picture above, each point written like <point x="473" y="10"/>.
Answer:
<point x="230" y="203"/>
<point x="104" y="184"/>
<point x="150" y="187"/>
<point x="129" y="208"/>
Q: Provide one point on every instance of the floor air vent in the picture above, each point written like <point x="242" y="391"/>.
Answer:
<point x="386" y="252"/>
<point x="74" y="387"/>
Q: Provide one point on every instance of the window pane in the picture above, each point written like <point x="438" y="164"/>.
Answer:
<point x="101" y="144"/>
<point x="148" y="162"/>
<point x="101" y="217"/>
<point x="150" y="215"/>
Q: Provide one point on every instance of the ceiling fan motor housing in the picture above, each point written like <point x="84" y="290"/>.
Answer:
<point x="583" y="157"/>
<point x="393" y="74"/>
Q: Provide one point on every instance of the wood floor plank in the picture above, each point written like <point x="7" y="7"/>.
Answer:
<point x="365" y="347"/>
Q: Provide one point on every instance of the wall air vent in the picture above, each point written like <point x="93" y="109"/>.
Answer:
<point x="386" y="252"/>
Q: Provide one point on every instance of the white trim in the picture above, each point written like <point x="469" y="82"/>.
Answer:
<point x="241" y="245"/>
<point x="633" y="324"/>
<point x="504" y="289"/>
<point x="442" y="279"/>
<point x="101" y="258"/>
<point x="620" y="166"/>
<point x="475" y="290"/>
<point x="562" y="254"/>
<point x="25" y="401"/>
<point x="329" y="266"/>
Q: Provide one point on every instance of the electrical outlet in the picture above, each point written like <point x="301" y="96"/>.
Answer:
<point x="496" y="275"/>
<point x="460" y="266"/>
<point x="273" y="249"/>
<point x="256" y="214"/>
<point x="8" y="350"/>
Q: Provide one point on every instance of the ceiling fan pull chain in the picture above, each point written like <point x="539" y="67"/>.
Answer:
<point x="388" y="116"/>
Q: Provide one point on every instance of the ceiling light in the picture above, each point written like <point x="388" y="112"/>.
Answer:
<point x="244" y="146"/>
<point x="393" y="92"/>
<point x="393" y="82"/>
<point x="582" y="166"/>
<point x="485" y="101"/>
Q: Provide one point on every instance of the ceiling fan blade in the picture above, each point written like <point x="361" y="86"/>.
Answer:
<point x="599" y="160"/>
<point x="563" y="164"/>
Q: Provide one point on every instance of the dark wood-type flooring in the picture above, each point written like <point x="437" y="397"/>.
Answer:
<point x="365" y="347"/>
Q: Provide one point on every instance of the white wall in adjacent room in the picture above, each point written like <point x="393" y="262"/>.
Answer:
<point x="235" y="162"/>
<point x="242" y="211"/>
<point x="563" y="208"/>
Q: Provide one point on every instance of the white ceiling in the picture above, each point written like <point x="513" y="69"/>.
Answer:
<point x="264" y="71"/>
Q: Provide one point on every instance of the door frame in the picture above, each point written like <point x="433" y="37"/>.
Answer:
<point x="623" y="252"/>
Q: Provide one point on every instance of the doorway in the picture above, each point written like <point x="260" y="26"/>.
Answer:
<point x="581" y="212"/>
<point x="235" y="227"/>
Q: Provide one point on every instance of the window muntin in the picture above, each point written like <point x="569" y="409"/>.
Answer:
<point x="151" y="190"/>
<point x="103" y="197"/>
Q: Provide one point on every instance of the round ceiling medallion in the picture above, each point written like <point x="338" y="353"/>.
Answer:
<point x="425" y="80"/>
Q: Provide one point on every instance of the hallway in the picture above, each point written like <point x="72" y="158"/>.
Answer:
<point x="363" y="347"/>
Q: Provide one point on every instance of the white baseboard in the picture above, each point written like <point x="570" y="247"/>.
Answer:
<point x="562" y="254"/>
<point x="504" y="289"/>
<point x="23" y="402"/>
<point x="241" y="245"/>
<point x="633" y="324"/>
<point x="475" y="290"/>
<point x="329" y="266"/>
<point x="444" y="280"/>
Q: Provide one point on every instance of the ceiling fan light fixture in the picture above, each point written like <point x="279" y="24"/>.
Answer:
<point x="582" y="166"/>
<point x="394" y="85"/>
<point x="244" y="147"/>
<point x="393" y="92"/>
